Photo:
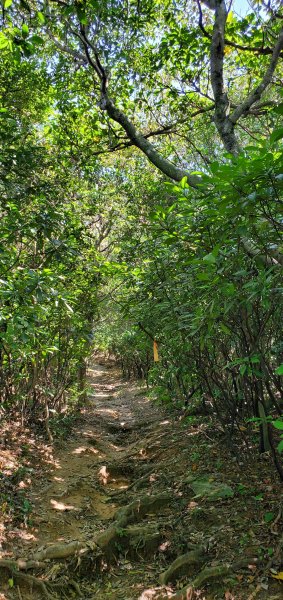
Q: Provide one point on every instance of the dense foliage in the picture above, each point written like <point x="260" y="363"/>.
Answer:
<point x="48" y="256"/>
<point x="95" y="237"/>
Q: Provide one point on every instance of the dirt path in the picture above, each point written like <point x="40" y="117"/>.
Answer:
<point x="86" y="467"/>
<point x="127" y="451"/>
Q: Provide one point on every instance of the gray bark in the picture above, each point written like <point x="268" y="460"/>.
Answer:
<point x="138" y="140"/>
<point x="224" y="125"/>
<point x="256" y="94"/>
<point x="224" y="121"/>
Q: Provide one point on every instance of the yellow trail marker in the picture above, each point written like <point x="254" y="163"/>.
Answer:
<point x="155" y="352"/>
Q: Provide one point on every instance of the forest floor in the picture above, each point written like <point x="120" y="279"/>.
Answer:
<point x="107" y="510"/>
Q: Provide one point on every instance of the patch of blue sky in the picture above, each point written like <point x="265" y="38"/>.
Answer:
<point x="242" y="7"/>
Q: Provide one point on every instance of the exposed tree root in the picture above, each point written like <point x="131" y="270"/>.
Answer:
<point x="105" y="544"/>
<point x="209" y="573"/>
<point x="20" y="564"/>
<point x="57" y="551"/>
<point x="22" y="579"/>
<point x="183" y="565"/>
<point x="47" y="589"/>
<point x="132" y="513"/>
<point x="136" y="447"/>
<point x="137" y="510"/>
<point x="76" y="587"/>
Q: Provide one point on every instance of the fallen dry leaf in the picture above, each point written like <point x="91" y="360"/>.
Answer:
<point x="278" y="576"/>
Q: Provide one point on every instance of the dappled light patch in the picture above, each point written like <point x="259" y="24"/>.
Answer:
<point x="88" y="433"/>
<point x="22" y="485"/>
<point x="55" y="464"/>
<point x="61" y="506"/>
<point x="192" y="505"/>
<point x="143" y="453"/>
<point x="114" y="477"/>
<point x="82" y="450"/>
<point x="155" y="593"/>
<point x="194" y="432"/>
<point x="8" y="462"/>
<point x="94" y="451"/>
<point x="108" y="411"/>
<point x="104" y="475"/>
<point x="22" y="535"/>
<point x="101" y="396"/>
<point x="2" y="530"/>
<point x="165" y="546"/>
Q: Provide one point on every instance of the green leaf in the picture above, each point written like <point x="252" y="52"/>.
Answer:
<point x="269" y="516"/>
<point x="25" y="30"/>
<point x="280" y="446"/>
<point x="259" y="497"/>
<point x="279" y="370"/>
<point x="82" y="15"/>
<point x="278" y="109"/>
<point x="4" y="42"/>
<point x="229" y="289"/>
<point x="7" y="3"/>
<point x="230" y="17"/>
<point x="209" y="258"/>
<point x="11" y="582"/>
<point x="41" y="18"/>
<point x="225" y="329"/>
<point x="276" y="135"/>
<point x="37" y="40"/>
<point x="278" y="424"/>
<point x="204" y="276"/>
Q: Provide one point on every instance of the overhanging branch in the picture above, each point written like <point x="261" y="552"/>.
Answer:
<point x="138" y="140"/>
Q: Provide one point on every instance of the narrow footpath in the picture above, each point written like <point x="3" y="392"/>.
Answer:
<point x="140" y="504"/>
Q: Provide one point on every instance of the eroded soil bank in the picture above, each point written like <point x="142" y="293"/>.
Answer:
<point x="138" y="503"/>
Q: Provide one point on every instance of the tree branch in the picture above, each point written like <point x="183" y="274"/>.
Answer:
<point x="224" y="125"/>
<point x="164" y="130"/>
<point x="67" y="50"/>
<point x="271" y="258"/>
<point x="262" y="51"/>
<point x="254" y="49"/>
<point x="138" y="140"/>
<point x="257" y="92"/>
<point x="97" y="66"/>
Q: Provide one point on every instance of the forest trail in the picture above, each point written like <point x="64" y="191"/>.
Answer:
<point x="126" y="451"/>
<point x="86" y="467"/>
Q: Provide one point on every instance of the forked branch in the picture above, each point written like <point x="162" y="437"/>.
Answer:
<point x="257" y="92"/>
